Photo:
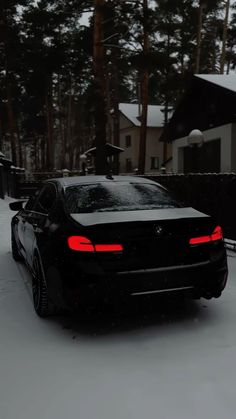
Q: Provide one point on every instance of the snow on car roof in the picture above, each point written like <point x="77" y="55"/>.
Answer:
<point x="76" y="180"/>
<point x="227" y="81"/>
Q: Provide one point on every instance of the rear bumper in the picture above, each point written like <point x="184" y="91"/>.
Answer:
<point x="202" y="277"/>
<point x="206" y="279"/>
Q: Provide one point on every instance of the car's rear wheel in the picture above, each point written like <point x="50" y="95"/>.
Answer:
<point x="42" y="305"/>
<point x="15" y="252"/>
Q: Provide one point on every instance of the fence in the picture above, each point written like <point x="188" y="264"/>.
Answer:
<point x="214" y="194"/>
<point x="8" y="173"/>
<point x="26" y="186"/>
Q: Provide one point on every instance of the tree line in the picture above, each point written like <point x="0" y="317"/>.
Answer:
<point x="61" y="81"/>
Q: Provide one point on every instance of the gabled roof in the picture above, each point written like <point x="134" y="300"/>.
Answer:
<point x="209" y="101"/>
<point x="227" y="81"/>
<point x="155" y="115"/>
<point x="110" y="150"/>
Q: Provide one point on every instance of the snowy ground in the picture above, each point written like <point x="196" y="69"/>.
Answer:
<point x="170" y="362"/>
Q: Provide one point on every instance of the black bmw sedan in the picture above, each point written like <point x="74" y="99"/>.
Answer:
<point x="96" y="237"/>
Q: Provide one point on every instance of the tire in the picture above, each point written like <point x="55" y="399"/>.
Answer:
<point x="42" y="305"/>
<point x="15" y="252"/>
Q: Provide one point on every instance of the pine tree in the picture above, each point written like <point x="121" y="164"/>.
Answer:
<point x="10" y="49"/>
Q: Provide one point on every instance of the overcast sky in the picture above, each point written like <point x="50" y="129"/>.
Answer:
<point x="85" y="18"/>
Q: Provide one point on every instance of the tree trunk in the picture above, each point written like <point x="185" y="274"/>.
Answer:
<point x="19" y="146"/>
<point x="229" y="60"/>
<point x="199" y="38"/>
<point x="50" y="159"/>
<point x="224" y="38"/>
<point x="144" y="92"/>
<point x="8" y="55"/>
<point x="166" y="108"/>
<point x="43" y="160"/>
<point x="35" y="153"/>
<point x="116" y="112"/>
<point x="1" y="135"/>
<point x="68" y="136"/>
<point x="100" y="118"/>
<point x="62" y="148"/>
<point x="11" y="123"/>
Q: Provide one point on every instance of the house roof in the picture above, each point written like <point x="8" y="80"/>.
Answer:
<point x="209" y="101"/>
<point x="227" y="81"/>
<point x="110" y="150"/>
<point x="155" y="115"/>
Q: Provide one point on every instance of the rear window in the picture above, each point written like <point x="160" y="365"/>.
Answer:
<point x="118" y="196"/>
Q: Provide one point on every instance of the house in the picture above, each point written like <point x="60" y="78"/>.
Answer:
<point x="209" y="104"/>
<point x="130" y="123"/>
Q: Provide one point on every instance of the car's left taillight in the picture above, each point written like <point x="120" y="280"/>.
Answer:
<point x="215" y="236"/>
<point x="83" y="244"/>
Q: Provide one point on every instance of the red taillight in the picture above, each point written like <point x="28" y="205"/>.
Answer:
<point x="198" y="240"/>
<point x="82" y="244"/>
<point x="216" y="235"/>
<point x="108" y="247"/>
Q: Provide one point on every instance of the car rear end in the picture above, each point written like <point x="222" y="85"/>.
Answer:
<point x="140" y="252"/>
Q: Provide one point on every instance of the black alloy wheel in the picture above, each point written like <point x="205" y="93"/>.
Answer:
<point x="42" y="305"/>
<point x="15" y="252"/>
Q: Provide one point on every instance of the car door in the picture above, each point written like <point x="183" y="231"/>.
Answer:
<point x="20" y="225"/>
<point x="37" y="219"/>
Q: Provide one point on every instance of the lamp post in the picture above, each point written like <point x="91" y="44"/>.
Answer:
<point x="83" y="159"/>
<point x="195" y="140"/>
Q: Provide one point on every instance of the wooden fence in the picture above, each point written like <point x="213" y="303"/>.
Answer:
<point x="214" y="194"/>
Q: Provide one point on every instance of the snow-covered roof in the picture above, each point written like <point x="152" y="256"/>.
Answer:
<point x="155" y="115"/>
<point x="227" y="81"/>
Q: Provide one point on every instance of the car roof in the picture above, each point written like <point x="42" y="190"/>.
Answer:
<point x="81" y="180"/>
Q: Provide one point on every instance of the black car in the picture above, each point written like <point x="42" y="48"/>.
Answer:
<point x="90" y="237"/>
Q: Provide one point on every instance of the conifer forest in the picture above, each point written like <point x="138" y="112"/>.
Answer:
<point x="65" y="65"/>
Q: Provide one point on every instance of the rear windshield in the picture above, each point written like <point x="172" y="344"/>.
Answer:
<point x="118" y="196"/>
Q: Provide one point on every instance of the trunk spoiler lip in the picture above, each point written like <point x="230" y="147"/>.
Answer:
<point x="103" y="218"/>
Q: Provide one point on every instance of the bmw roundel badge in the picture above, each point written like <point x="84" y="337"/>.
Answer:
<point x="158" y="230"/>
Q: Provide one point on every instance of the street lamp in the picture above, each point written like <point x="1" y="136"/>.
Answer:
<point x="195" y="140"/>
<point x="83" y="159"/>
<point x="65" y="172"/>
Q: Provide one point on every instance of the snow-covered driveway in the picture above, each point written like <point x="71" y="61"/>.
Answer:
<point x="166" y="363"/>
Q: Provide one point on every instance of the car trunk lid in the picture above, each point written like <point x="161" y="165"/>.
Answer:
<point x="151" y="239"/>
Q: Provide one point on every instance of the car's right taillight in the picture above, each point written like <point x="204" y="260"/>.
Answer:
<point x="215" y="236"/>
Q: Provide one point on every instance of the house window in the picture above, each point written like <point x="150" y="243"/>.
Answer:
<point x="128" y="140"/>
<point x="128" y="165"/>
<point x="154" y="163"/>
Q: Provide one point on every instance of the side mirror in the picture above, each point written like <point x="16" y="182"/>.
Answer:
<point x="16" y="206"/>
